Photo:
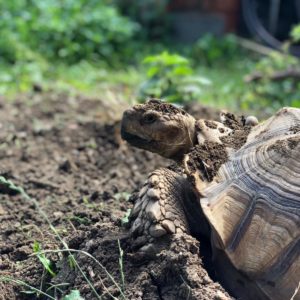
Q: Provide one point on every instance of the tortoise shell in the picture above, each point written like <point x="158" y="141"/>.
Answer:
<point x="253" y="205"/>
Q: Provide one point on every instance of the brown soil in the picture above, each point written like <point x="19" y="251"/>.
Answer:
<point x="158" y="105"/>
<point x="239" y="134"/>
<point x="66" y="152"/>
<point x="207" y="159"/>
<point x="283" y="147"/>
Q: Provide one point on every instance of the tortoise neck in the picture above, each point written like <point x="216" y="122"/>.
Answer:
<point x="190" y="142"/>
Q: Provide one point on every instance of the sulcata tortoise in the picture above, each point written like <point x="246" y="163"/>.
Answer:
<point x="238" y="184"/>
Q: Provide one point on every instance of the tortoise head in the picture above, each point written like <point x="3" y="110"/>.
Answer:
<point x="159" y="127"/>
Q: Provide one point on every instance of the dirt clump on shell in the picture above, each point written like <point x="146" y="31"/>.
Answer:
<point x="66" y="152"/>
<point x="238" y="137"/>
<point x="160" y="106"/>
<point x="283" y="147"/>
<point x="207" y="159"/>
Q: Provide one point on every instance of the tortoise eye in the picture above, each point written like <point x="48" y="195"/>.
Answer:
<point x="150" y="118"/>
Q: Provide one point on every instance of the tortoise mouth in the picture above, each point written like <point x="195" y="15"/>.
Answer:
<point x="136" y="140"/>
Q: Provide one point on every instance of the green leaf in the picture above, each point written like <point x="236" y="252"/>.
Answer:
<point x="42" y="258"/>
<point x="182" y="70"/>
<point x="295" y="33"/>
<point x="167" y="59"/>
<point x="73" y="295"/>
<point x="122" y="195"/>
<point x="125" y="219"/>
<point x="152" y="71"/>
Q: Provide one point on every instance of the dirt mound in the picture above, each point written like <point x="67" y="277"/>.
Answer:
<point x="66" y="152"/>
<point x="177" y="272"/>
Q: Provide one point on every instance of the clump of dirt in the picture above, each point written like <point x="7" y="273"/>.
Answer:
<point x="232" y="121"/>
<point x="295" y="129"/>
<point x="176" y="273"/>
<point x="66" y="152"/>
<point x="207" y="159"/>
<point x="238" y="137"/>
<point x="160" y="106"/>
<point x="283" y="147"/>
<point x="210" y="124"/>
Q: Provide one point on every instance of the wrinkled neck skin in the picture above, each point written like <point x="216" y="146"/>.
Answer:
<point x="176" y="152"/>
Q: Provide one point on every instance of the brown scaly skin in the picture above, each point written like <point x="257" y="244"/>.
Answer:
<point x="159" y="127"/>
<point x="162" y="209"/>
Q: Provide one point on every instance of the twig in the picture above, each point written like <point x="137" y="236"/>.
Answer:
<point x="276" y="76"/>
<point x="253" y="46"/>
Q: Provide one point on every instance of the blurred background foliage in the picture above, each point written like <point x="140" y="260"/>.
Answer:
<point x="124" y="46"/>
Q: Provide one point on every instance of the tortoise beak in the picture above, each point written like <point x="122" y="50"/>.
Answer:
<point x="128" y="123"/>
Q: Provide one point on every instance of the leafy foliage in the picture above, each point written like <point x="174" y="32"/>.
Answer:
<point x="150" y="14"/>
<point x="295" y="33"/>
<point x="171" y="77"/>
<point x="70" y="30"/>
<point x="269" y="93"/>
<point x="211" y="49"/>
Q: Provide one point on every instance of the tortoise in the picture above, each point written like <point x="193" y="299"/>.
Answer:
<point x="239" y="184"/>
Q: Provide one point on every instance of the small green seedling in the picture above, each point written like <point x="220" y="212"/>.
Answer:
<point x="72" y="262"/>
<point x="122" y="195"/>
<point x="80" y="220"/>
<point x="73" y="295"/>
<point x="43" y="259"/>
<point x="125" y="219"/>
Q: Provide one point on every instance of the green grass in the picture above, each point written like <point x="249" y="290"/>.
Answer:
<point x="227" y="82"/>
<point x="83" y="77"/>
<point x="226" y="90"/>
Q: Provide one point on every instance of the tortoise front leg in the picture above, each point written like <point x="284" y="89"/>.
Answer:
<point x="166" y="205"/>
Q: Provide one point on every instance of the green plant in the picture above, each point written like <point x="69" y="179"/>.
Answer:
<point x="69" y="30"/>
<point x="210" y="49"/>
<point x="125" y="219"/>
<point x="122" y="196"/>
<point x="43" y="259"/>
<point x="274" y="83"/>
<point x="171" y="77"/>
<point x="73" y="295"/>
<point x="151" y="14"/>
<point x="295" y="33"/>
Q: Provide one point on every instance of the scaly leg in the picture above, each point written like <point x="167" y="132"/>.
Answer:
<point x="166" y="204"/>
